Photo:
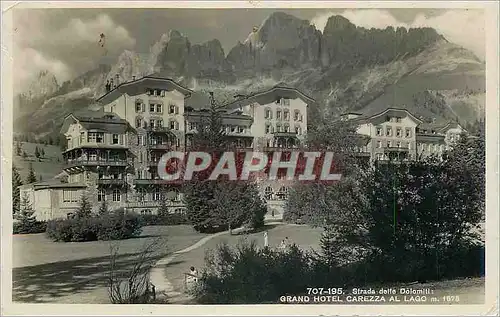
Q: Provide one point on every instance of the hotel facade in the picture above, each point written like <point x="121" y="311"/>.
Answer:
<point x="112" y="153"/>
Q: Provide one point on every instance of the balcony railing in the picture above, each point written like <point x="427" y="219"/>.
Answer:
<point x="85" y="162"/>
<point x="155" y="203"/>
<point x="111" y="181"/>
<point x="396" y="149"/>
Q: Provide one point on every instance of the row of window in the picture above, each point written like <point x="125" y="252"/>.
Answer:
<point x="71" y="195"/>
<point x="398" y="144"/>
<point x="281" y="194"/>
<point x="282" y="128"/>
<point x="93" y="156"/>
<point x="155" y="107"/>
<point x="143" y="140"/>
<point x="156" y="195"/>
<point x="283" y="115"/>
<point x="388" y="132"/>
<point x="156" y="92"/>
<point x="156" y="123"/>
<point x="97" y="137"/>
<point x="283" y="101"/>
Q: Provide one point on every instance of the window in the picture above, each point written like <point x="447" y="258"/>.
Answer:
<point x="389" y="143"/>
<point x="159" y="108"/>
<point x="91" y="137"/>
<point x="157" y="194"/>
<point x="287" y="127"/>
<point x="278" y="127"/>
<point x="70" y="196"/>
<point x="278" y="114"/>
<point x="408" y="132"/>
<point x="298" y="130"/>
<point x="286" y="115"/>
<point x="296" y="115"/>
<point x="101" y="195"/>
<point x="115" y="139"/>
<point x="388" y="131"/>
<point x="141" y="195"/>
<point x="174" y="125"/>
<point x="144" y="124"/>
<point x="286" y="102"/>
<point x="398" y="144"/>
<point x="151" y="107"/>
<point x="234" y="129"/>
<point x="268" y="114"/>
<point x="117" y="195"/>
<point x="138" y="106"/>
<point x="152" y="123"/>
<point x="112" y="109"/>
<point x="172" y="109"/>
<point x="268" y="128"/>
<point x="398" y="120"/>
<point x="399" y="132"/>
<point x="82" y="137"/>
<point x="268" y="193"/>
<point x="379" y="131"/>
<point x="379" y="144"/>
<point x="159" y="123"/>
<point x="241" y="129"/>
<point x="379" y="156"/>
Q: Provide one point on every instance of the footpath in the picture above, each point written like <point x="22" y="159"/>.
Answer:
<point x="163" y="286"/>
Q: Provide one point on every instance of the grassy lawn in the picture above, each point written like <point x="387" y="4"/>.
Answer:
<point x="304" y="236"/>
<point x="46" y="271"/>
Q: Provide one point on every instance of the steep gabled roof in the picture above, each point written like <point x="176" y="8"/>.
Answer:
<point x="131" y="87"/>
<point x="97" y="121"/>
<point x="367" y="117"/>
<point x="278" y="91"/>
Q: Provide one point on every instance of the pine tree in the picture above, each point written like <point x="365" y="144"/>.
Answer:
<point x="42" y="152"/>
<point x="104" y="209"/>
<point x="40" y="178"/>
<point x="26" y="217"/>
<point x="85" y="209"/>
<point x="37" y="152"/>
<point x="19" y="150"/>
<point x="31" y="175"/>
<point x="163" y="209"/>
<point x="16" y="182"/>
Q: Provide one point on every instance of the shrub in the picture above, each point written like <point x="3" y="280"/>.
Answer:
<point x="37" y="227"/>
<point x="114" y="226"/>
<point x="248" y="274"/>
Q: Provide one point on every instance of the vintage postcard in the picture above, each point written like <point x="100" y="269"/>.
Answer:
<point x="250" y="158"/>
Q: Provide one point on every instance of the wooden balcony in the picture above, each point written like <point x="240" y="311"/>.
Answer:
<point x="86" y="162"/>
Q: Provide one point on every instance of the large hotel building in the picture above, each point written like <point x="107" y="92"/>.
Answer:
<point x="112" y="153"/>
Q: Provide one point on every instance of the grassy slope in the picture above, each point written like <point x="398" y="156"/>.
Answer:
<point x="48" y="167"/>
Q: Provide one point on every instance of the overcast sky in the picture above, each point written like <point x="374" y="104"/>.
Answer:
<point x="64" y="41"/>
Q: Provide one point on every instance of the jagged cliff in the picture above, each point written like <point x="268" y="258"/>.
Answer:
<point x="344" y="67"/>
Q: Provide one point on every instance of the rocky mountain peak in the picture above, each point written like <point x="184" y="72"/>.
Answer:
<point x="336" y="23"/>
<point x="45" y="84"/>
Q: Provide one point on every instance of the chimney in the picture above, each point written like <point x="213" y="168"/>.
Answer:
<point x="117" y="77"/>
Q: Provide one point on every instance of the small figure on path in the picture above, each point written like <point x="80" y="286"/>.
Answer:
<point x="266" y="239"/>
<point x="194" y="274"/>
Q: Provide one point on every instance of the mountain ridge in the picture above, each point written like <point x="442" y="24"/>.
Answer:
<point x="344" y="68"/>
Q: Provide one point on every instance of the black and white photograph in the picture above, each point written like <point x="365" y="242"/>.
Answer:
<point x="254" y="154"/>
